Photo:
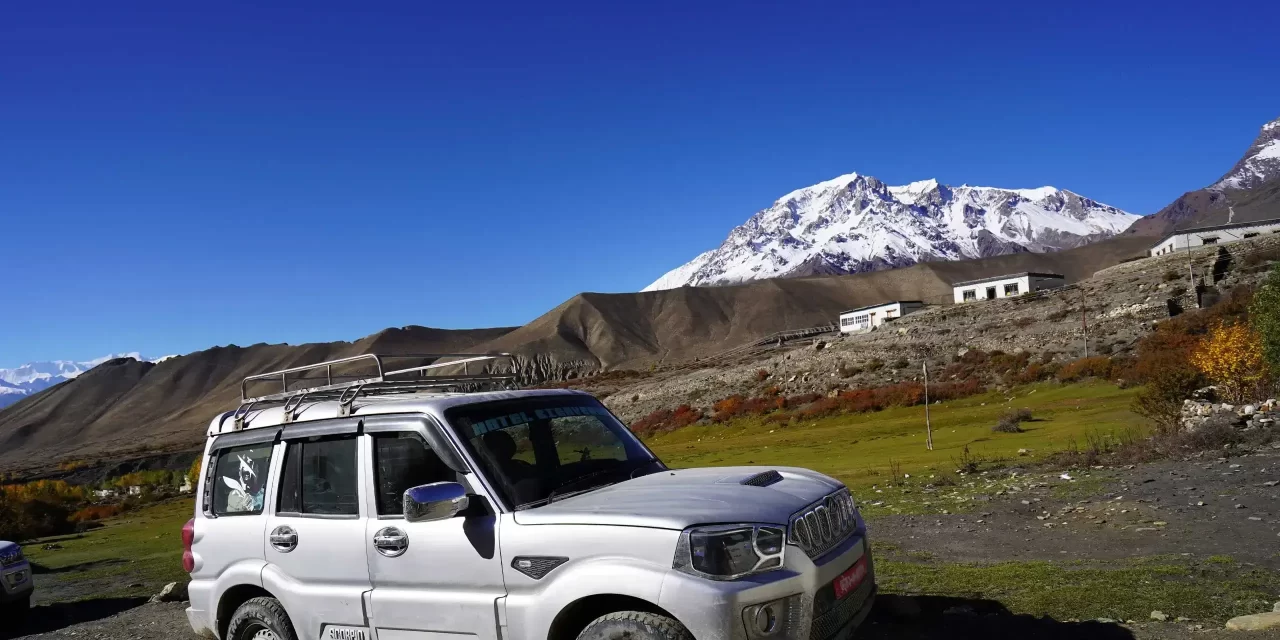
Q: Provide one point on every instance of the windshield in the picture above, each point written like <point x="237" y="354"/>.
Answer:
<point x="537" y="449"/>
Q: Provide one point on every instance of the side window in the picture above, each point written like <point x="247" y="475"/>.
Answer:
<point x="320" y="478"/>
<point x="402" y="461"/>
<point x="239" y="479"/>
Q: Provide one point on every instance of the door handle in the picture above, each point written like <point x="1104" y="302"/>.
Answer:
<point x="283" y="538"/>
<point x="391" y="542"/>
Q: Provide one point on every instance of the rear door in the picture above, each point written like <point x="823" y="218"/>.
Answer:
<point x="315" y="531"/>
<point x="431" y="580"/>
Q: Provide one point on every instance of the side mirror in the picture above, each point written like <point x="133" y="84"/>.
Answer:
<point x="435" y="501"/>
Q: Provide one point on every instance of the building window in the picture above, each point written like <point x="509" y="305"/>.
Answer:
<point x="1209" y="240"/>
<point x="970" y="294"/>
<point x="1011" y="289"/>
<point x="1251" y="235"/>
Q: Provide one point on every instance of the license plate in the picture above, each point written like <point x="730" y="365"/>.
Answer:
<point x="851" y="579"/>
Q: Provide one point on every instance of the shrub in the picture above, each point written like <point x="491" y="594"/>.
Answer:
<point x="1264" y="316"/>
<point x="1023" y="322"/>
<point x="1232" y="357"/>
<point x="762" y="375"/>
<point x="1162" y="398"/>
<point x="95" y="513"/>
<point x="1059" y="315"/>
<point x="1009" y="421"/>
<point x="1095" y="367"/>
<point x="1171" y="275"/>
<point x="901" y="363"/>
<point x="876" y="364"/>
<point x="666" y="420"/>
<point x="847" y="372"/>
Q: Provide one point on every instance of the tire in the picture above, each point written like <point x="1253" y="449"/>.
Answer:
<point x="260" y="619"/>
<point x="635" y="625"/>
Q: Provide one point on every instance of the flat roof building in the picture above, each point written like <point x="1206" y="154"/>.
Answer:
<point x="1007" y="286"/>
<point x="869" y="317"/>
<point x="1217" y="234"/>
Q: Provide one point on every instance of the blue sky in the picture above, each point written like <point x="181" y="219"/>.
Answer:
<point x="172" y="178"/>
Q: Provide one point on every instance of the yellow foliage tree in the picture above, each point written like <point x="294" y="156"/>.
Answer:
<point x="1231" y="357"/>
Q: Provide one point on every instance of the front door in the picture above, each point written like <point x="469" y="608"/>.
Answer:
<point x="437" y="580"/>
<point x="315" y="535"/>
<point x="991" y="293"/>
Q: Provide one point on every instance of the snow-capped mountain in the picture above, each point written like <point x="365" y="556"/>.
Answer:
<point x="33" y="377"/>
<point x="1259" y="164"/>
<point x="857" y="223"/>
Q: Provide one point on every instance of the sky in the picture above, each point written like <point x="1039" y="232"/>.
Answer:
<point x="174" y="177"/>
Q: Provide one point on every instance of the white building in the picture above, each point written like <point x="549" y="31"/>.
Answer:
<point x="868" y="318"/>
<point x="1220" y="234"/>
<point x="1014" y="284"/>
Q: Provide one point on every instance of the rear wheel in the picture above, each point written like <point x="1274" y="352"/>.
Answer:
<point x="261" y="619"/>
<point x="635" y="625"/>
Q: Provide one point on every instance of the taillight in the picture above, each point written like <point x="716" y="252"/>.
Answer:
<point x="188" y="536"/>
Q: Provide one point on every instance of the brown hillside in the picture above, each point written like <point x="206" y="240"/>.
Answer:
<point x="125" y="407"/>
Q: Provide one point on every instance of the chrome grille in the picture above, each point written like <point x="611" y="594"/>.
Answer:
<point x="824" y="524"/>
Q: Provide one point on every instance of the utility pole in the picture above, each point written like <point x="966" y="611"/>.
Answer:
<point x="928" y="426"/>
<point x="1084" y="321"/>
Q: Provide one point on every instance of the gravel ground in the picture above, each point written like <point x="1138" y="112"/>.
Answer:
<point x="1201" y="507"/>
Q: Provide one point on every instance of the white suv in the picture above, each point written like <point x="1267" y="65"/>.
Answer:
<point x="390" y="508"/>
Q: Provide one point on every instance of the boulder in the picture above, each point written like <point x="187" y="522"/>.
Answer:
<point x="1159" y="616"/>
<point x="1255" y="622"/>
<point x="172" y="592"/>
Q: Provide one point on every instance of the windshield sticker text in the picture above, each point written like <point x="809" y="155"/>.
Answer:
<point x="518" y="418"/>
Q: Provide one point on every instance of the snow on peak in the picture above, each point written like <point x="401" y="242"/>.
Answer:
<point x="34" y="377"/>
<point x="856" y="223"/>
<point x="1259" y="164"/>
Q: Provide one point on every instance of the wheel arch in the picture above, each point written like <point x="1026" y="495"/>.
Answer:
<point x="231" y="600"/>
<point x="576" y="615"/>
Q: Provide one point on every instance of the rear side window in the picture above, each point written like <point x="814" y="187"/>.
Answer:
<point x="403" y="461"/>
<point x="239" y="479"/>
<point x="319" y="478"/>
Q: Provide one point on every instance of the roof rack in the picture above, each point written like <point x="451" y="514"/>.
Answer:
<point x="384" y="381"/>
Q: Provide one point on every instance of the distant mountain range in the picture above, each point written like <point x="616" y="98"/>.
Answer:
<point x="856" y="223"/>
<point x="33" y="377"/>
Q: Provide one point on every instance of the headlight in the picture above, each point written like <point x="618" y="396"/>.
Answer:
<point x="726" y="552"/>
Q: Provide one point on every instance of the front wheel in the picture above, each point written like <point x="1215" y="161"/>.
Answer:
<point x="635" y="625"/>
<point x="261" y="619"/>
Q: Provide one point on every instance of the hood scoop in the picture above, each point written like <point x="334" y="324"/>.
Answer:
<point x="763" y="479"/>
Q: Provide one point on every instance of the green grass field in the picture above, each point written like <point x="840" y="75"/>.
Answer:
<point x="860" y="449"/>
<point x="132" y="555"/>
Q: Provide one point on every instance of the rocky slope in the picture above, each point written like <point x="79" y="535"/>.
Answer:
<point x="856" y="223"/>
<point x="1249" y="191"/>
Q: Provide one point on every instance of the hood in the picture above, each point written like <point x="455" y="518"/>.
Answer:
<point x="677" y="499"/>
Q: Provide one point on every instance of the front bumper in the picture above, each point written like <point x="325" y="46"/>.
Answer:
<point x="713" y="610"/>
<point x="16" y="582"/>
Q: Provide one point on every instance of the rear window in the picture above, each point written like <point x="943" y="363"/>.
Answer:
<point x="239" y="479"/>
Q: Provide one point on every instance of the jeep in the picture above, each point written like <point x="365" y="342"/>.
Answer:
<point x="16" y="585"/>
<point x="423" y="503"/>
